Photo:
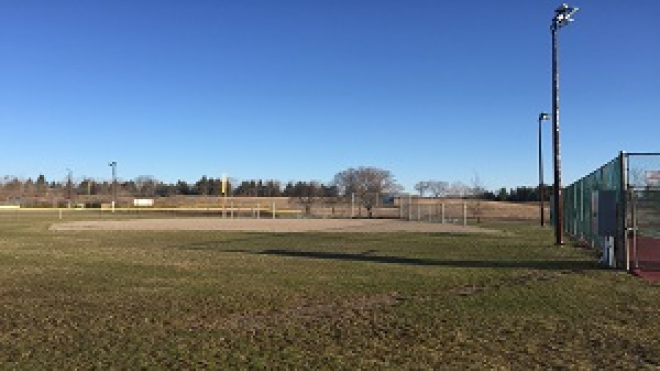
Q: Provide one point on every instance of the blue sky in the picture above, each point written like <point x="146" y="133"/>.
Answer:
<point x="300" y="90"/>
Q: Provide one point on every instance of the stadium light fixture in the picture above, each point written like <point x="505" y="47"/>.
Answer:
<point x="563" y="16"/>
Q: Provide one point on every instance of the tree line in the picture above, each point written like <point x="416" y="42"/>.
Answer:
<point x="367" y="184"/>
<point x="438" y="188"/>
<point x="366" y="180"/>
<point x="148" y="186"/>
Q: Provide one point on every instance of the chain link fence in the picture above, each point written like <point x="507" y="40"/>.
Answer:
<point x="616" y="208"/>
<point x="643" y="171"/>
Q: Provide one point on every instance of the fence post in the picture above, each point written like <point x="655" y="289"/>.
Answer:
<point x="352" y="205"/>
<point x="464" y="214"/>
<point x="622" y="243"/>
<point x="273" y="209"/>
<point x="442" y="206"/>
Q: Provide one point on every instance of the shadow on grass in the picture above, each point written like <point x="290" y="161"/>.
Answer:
<point x="573" y="265"/>
<point x="242" y="237"/>
<point x="250" y="238"/>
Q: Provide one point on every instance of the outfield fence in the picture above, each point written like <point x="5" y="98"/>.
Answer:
<point x="202" y="206"/>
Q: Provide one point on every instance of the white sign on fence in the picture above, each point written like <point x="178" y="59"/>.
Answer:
<point x="143" y="202"/>
<point x="653" y="178"/>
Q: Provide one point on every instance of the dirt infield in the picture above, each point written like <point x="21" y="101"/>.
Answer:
<point x="267" y="225"/>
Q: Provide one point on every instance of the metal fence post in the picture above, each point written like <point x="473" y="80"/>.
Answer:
<point x="622" y="211"/>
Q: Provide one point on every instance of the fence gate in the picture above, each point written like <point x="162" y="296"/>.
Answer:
<point x="645" y="215"/>
<point x="643" y="174"/>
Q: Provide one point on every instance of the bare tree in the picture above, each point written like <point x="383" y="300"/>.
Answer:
<point x="146" y="185"/>
<point x="458" y="189"/>
<point x="422" y="187"/>
<point x="307" y="194"/>
<point x="368" y="184"/>
<point x="13" y="186"/>
<point x="477" y="191"/>
<point x="438" y="188"/>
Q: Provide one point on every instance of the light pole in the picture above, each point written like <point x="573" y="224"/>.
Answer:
<point x="542" y="117"/>
<point x="563" y="16"/>
<point x="69" y="186"/>
<point x="113" y="165"/>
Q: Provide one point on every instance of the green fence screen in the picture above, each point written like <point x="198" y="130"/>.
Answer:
<point x="579" y="208"/>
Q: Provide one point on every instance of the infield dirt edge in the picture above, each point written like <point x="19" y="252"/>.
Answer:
<point x="267" y="225"/>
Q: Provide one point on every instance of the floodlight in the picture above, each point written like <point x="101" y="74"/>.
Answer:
<point x="563" y="15"/>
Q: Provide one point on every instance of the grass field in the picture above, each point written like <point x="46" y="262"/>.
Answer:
<point x="191" y="299"/>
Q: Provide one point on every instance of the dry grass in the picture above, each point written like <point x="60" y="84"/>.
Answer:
<point x="234" y="300"/>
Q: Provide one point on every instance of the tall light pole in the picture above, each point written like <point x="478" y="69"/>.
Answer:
<point x="113" y="165"/>
<point x="563" y="16"/>
<point x="542" y="117"/>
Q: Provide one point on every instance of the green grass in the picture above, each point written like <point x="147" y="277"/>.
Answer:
<point x="182" y="300"/>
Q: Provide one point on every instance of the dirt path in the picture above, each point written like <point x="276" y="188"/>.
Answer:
<point x="267" y="225"/>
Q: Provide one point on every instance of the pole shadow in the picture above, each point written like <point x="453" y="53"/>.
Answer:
<point x="367" y="256"/>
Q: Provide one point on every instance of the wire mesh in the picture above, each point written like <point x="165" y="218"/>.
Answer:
<point x="579" y="200"/>
<point x="643" y="174"/>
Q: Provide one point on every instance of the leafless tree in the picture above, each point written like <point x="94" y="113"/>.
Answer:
<point x="477" y="191"/>
<point x="13" y="186"/>
<point x="438" y="188"/>
<point x="422" y="187"/>
<point x="368" y="184"/>
<point x="458" y="189"/>
<point x="146" y="185"/>
<point x="308" y="194"/>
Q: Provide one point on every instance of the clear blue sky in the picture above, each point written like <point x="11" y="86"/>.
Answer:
<point x="300" y="90"/>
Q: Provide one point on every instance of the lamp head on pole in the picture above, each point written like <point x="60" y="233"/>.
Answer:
<point x="543" y="116"/>
<point x="563" y="16"/>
